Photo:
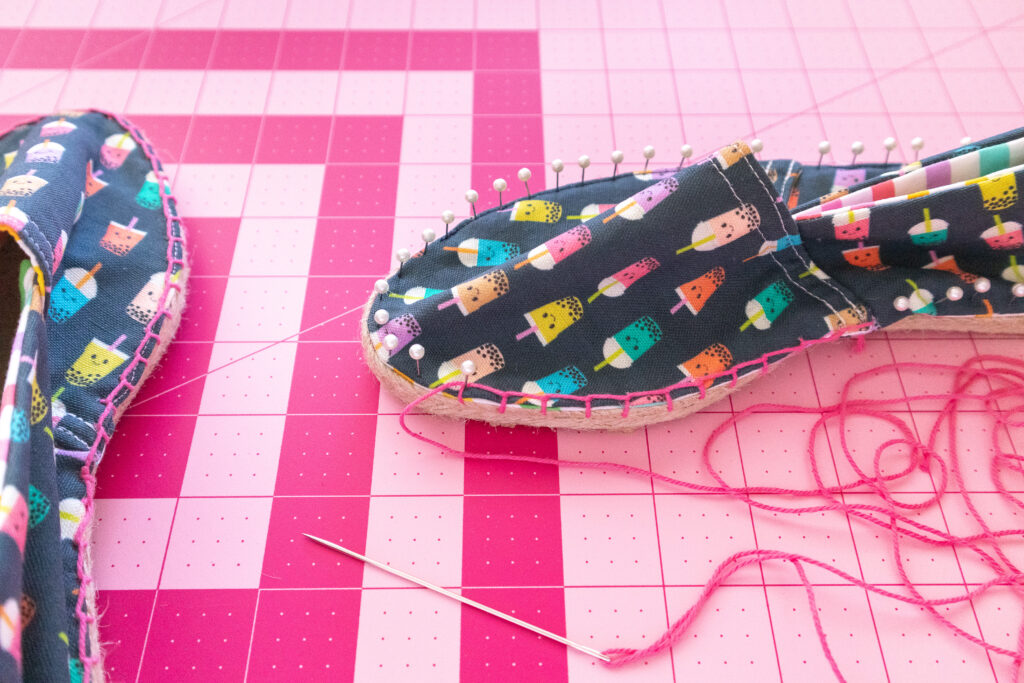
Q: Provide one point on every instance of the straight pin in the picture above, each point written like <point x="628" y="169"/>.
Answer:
<point x="617" y="157"/>
<point x="416" y="352"/>
<point x="500" y="186"/>
<point x="447" y="217"/>
<point x="648" y="155"/>
<point x="686" y="151"/>
<point x="857" y="148"/>
<point x="890" y="144"/>
<point x="583" y="161"/>
<point x="557" y="166"/>
<point x="917" y="144"/>
<point x="524" y="175"/>
<point x="824" y="147"/>
<point x="464" y="600"/>
<point x="472" y="196"/>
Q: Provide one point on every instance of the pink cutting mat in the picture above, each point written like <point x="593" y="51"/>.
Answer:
<point x="307" y="140"/>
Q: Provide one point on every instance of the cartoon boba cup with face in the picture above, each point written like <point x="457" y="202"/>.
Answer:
<point x="116" y="149"/>
<point x="476" y="252"/>
<point x="24" y="185"/>
<point x="627" y="345"/>
<point x="557" y="249"/>
<point x="617" y="284"/>
<point x="846" y="317"/>
<point x="121" y="239"/>
<point x="144" y="305"/>
<point x="566" y="381"/>
<point x="1004" y="234"/>
<point x="852" y="224"/>
<point x="75" y="289"/>
<point x="535" y="211"/>
<point x="695" y="293"/>
<point x="727" y="156"/>
<point x="96" y="362"/>
<point x="713" y="360"/>
<point x="640" y="204"/>
<point x="767" y="306"/>
<point x="473" y="295"/>
<point x="486" y="359"/>
<point x="999" y="193"/>
<point x="724" y="228"/>
<point x="148" y="196"/>
<point x="869" y="258"/>
<point x="551" y="319"/>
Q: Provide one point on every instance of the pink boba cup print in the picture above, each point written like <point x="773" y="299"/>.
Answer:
<point x="116" y="149"/>
<point x="120" y="239"/>
<point x="57" y="128"/>
<point x="724" y="228"/>
<point x="1004" y="235"/>
<point x="852" y="224"/>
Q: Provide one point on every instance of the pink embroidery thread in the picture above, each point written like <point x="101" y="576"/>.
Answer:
<point x="82" y="535"/>
<point x="1004" y="379"/>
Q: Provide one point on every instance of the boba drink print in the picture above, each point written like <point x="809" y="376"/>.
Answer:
<point x="404" y="329"/>
<point x="148" y="196"/>
<point x="949" y="264"/>
<point x="477" y="293"/>
<point x="45" y="152"/>
<point x="727" y="156"/>
<point x="847" y="317"/>
<point x="75" y="289"/>
<point x="93" y="182"/>
<point x="724" y="228"/>
<point x="57" y="128"/>
<point x="116" y="149"/>
<point x="767" y="306"/>
<point x="640" y="204"/>
<point x="695" y="293"/>
<point x="1013" y="272"/>
<point x="930" y="231"/>
<point x="617" y="284"/>
<point x="476" y="252"/>
<point x="627" y="345"/>
<point x="775" y="246"/>
<point x="96" y="362"/>
<point x="869" y="258"/>
<point x="852" y="224"/>
<point x="144" y="305"/>
<point x="12" y="216"/>
<point x="713" y="360"/>
<point x="415" y="294"/>
<point x="590" y="211"/>
<point x="551" y="319"/>
<point x="921" y="300"/>
<point x="24" y="185"/>
<point x="566" y="381"/>
<point x="121" y="239"/>
<point x="1004" y="234"/>
<point x="557" y="249"/>
<point x="999" y="193"/>
<point x="534" y="211"/>
<point x="14" y="515"/>
<point x="486" y="359"/>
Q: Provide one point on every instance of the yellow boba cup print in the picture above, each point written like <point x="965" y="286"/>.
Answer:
<point x="536" y="211"/>
<point x="999" y="193"/>
<point x="96" y="362"/>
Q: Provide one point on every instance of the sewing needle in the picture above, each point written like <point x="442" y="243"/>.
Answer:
<point x="465" y="601"/>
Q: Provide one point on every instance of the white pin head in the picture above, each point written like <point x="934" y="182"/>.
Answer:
<point x="583" y="161"/>
<point x="557" y="165"/>
<point x="857" y="147"/>
<point x="468" y="368"/>
<point x="524" y="174"/>
<point x="391" y="342"/>
<point x="381" y="286"/>
<point x="448" y="216"/>
<point x="889" y="143"/>
<point x="618" y="157"/>
<point x="416" y="352"/>
<point x="1018" y="290"/>
<point x="472" y="196"/>
<point x="429" y="235"/>
<point x="756" y="145"/>
<point x="901" y="303"/>
<point x="403" y="255"/>
<point x="954" y="293"/>
<point x="381" y="317"/>
<point x="686" y="151"/>
<point x="965" y="140"/>
<point x="917" y="144"/>
<point x="982" y="285"/>
<point x="649" y="152"/>
<point x="500" y="185"/>
<point x="824" y="147"/>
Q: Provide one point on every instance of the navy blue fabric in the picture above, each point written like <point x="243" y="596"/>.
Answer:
<point x="478" y="295"/>
<point x="79" y="197"/>
<point x="728" y="189"/>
